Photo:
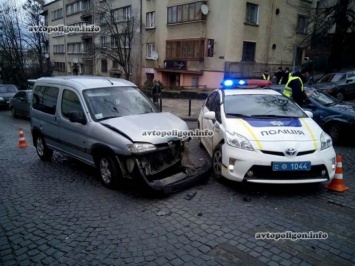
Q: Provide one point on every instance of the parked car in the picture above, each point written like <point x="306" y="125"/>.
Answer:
<point x="336" y="117"/>
<point x="101" y="122"/>
<point x="262" y="136"/>
<point x="7" y="91"/>
<point x="20" y="103"/>
<point x="339" y="85"/>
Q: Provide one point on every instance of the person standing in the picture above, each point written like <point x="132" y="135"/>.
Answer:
<point x="156" y="90"/>
<point x="266" y="75"/>
<point x="286" y="75"/>
<point x="279" y="74"/>
<point x="294" y="88"/>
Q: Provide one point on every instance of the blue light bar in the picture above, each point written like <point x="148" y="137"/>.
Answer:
<point x="228" y="83"/>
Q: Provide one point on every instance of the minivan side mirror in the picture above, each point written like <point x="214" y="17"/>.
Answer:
<point x="77" y="117"/>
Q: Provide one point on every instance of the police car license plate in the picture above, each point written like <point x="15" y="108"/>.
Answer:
<point x="291" y="166"/>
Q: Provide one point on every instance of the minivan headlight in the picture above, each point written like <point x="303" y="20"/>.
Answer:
<point x="238" y="141"/>
<point x="140" y="147"/>
<point x="325" y="141"/>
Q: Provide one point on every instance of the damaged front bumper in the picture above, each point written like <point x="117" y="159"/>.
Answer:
<point x="169" y="168"/>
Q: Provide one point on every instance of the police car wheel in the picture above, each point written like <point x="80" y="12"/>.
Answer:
<point x="217" y="162"/>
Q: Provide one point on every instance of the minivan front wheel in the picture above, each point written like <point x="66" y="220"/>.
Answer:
<point x="109" y="171"/>
<point x="42" y="150"/>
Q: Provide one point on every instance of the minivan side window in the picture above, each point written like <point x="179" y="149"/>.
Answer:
<point x="45" y="99"/>
<point x="70" y="103"/>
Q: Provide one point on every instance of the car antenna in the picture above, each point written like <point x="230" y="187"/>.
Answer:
<point x="108" y="80"/>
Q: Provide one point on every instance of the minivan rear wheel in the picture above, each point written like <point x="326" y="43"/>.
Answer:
<point x="109" y="171"/>
<point x="42" y="150"/>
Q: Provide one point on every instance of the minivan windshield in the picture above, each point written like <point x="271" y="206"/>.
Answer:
<point x="105" y="103"/>
<point x="261" y="105"/>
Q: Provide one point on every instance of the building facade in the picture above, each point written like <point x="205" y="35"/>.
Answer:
<point x="92" y="52"/>
<point x="191" y="44"/>
<point x="197" y="43"/>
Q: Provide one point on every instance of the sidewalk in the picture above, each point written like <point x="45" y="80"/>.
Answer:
<point x="180" y="107"/>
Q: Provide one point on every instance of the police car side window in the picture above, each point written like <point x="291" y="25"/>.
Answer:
<point x="45" y="99"/>
<point x="216" y="107"/>
<point x="210" y="100"/>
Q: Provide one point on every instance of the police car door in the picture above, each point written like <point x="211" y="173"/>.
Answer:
<point x="217" y="126"/>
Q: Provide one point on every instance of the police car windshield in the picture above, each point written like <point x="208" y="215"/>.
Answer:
<point x="261" y="105"/>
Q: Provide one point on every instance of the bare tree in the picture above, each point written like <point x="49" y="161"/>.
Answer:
<point x="11" y="44"/>
<point x="333" y="24"/>
<point x="36" y="40"/>
<point x="117" y="36"/>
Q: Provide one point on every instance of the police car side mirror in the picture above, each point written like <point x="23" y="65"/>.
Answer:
<point x="210" y="115"/>
<point x="309" y="114"/>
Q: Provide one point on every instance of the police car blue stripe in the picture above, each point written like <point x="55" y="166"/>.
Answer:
<point x="278" y="122"/>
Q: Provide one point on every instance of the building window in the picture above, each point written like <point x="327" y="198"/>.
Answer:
<point x="185" y="49"/>
<point x="115" y="15"/>
<point x="195" y="82"/>
<point x="75" y="48"/>
<point x="150" y="20"/>
<point x="104" y="66"/>
<point x="185" y="13"/>
<point x="150" y="49"/>
<point x="248" y="51"/>
<point x="103" y="41"/>
<point x="302" y="23"/>
<point x="58" y="49"/>
<point x="114" y="42"/>
<point x="127" y="13"/>
<point x="115" y="63"/>
<point x="57" y="14"/>
<point x="252" y="13"/>
<point x="59" y="66"/>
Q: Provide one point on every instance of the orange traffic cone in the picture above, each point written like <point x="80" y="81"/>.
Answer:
<point x="22" y="142"/>
<point x="337" y="183"/>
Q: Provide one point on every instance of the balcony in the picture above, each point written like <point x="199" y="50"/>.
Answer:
<point x="86" y="14"/>
<point x="86" y="36"/>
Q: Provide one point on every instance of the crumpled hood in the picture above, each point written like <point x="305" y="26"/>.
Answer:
<point x="7" y="95"/>
<point x="275" y="129"/>
<point x="136" y="127"/>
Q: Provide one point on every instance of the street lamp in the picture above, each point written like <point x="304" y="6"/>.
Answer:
<point x="75" y="67"/>
<point x="47" y="59"/>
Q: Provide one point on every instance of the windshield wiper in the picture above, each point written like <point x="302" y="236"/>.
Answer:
<point x="237" y="115"/>
<point x="281" y="116"/>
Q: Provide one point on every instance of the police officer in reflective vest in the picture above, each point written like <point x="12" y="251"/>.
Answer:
<point x="294" y="88"/>
<point x="286" y="75"/>
<point x="266" y="75"/>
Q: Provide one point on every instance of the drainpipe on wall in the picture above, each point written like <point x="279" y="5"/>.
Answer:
<point x="65" y="40"/>
<point x="269" y="41"/>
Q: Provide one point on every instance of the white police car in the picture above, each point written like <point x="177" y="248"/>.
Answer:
<point x="262" y="136"/>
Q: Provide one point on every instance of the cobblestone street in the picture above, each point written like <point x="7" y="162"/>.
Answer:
<point x="58" y="213"/>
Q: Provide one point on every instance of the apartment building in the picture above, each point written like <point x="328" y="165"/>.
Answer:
<point x="191" y="44"/>
<point x="91" y="52"/>
<point x="198" y="43"/>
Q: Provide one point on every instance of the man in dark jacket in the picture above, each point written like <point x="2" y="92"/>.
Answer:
<point x="279" y="74"/>
<point x="156" y="90"/>
<point x="294" y="88"/>
<point x="286" y="75"/>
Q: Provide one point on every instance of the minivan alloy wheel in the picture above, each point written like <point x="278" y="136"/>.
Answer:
<point x="42" y="150"/>
<point x="105" y="170"/>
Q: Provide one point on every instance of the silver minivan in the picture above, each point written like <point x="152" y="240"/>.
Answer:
<point x="110" y="124"/>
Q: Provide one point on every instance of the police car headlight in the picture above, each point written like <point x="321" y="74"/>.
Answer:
<point x="325" y="141"/>
<point x="238" y="141"/>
